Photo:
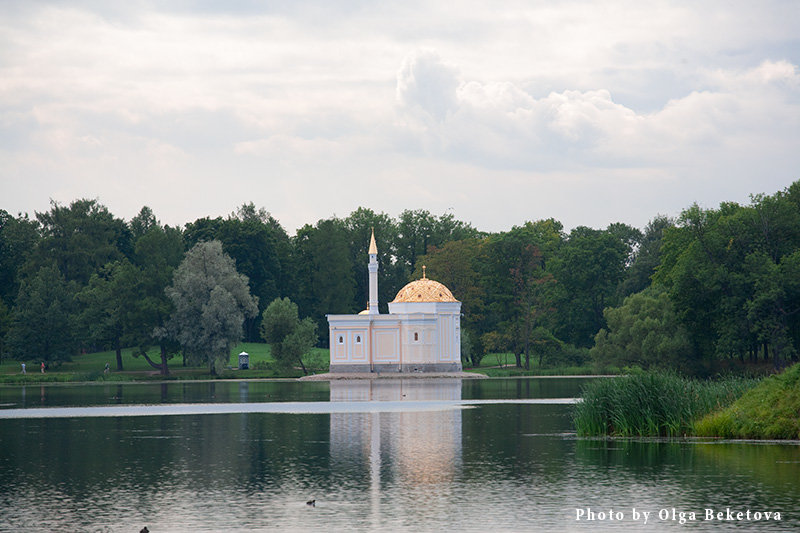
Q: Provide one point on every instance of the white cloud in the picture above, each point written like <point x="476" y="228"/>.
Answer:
<point x="509" y="112"/>
<point x="426" y="84"/>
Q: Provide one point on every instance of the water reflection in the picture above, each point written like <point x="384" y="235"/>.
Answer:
<point x="420" y="446"/>
<point x="412" y="449"/>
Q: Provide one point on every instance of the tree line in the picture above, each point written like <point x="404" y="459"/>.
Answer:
<point x="710" y="289"/>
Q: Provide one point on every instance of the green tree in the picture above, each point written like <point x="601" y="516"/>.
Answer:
<point x="211" y="302"/>
<point x="260" y="247"/>
<point x="43" y="322"/>
<point x="81" y="239"/>
<point x="104" y="300"/>
<point x="157" y="254"/>
<point x="143" y="222"/>
<point x="5" y="325"/>
<point x="417" y="230"/>
<point x="588" y="268"/>
<point x="724" y="270"/>
<point x="18" y="236"/>
<point x="324" y="272"/>
<point x="643" y="331"/>
<point x="646" y="257"/>
<point x="290" y="338"/>
<point x="519" y="287"/>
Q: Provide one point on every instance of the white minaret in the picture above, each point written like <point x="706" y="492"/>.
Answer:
<point x="373" y="275"/>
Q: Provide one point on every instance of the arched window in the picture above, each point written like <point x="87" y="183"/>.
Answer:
<point x="341" y="339"/>
<point x="416" y="336"/>
<point x="358" y="339"/>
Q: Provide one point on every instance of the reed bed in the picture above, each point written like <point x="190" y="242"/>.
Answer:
<point x="654" y="404"/>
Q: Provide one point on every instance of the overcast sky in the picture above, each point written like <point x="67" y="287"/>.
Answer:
<point x="497" y="112"/>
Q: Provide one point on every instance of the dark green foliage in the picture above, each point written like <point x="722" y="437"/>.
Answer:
<point x="43" y="323"/>
<point x="81" y="239"/>
<point x="325" y="272"/>
<point x="418" y="230"/>
<point x="715" y="289"/>
<point x="646" y="257"/>
<point x="731" y="274"/>
<point x="104" y="303"/>
<point x="652" y="404"/>
<point x="18" y="236"/>
<point x="157" y="253"/>
<point x="391" y="273"/>
<point x="589" y="267"/>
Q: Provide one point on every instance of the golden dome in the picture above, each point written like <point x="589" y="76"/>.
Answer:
<point x="424" y="290"/>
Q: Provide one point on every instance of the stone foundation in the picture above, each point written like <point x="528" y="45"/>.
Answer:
<point x="393" y="368"/>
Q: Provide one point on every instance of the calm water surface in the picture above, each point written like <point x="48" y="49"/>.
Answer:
<point x="414" y="455"/>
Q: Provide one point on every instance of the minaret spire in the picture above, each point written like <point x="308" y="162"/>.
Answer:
<point x="373" y="275"/>
<point x="373" y="248"/>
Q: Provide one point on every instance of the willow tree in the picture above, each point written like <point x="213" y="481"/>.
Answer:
<point x="211" y="302"/>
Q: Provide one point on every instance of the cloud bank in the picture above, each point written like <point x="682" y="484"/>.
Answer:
<point x="589" y="114"/>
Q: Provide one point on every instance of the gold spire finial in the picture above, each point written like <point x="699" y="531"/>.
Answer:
<point x="423" y="272"/>
<point x="373" y="248"/>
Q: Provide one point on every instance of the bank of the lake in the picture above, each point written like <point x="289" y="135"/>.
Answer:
<point x="90" y="367"/>
<point x="770" y="410"/>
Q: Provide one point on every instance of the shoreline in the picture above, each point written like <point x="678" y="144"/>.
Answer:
<point x="391" y="375"/>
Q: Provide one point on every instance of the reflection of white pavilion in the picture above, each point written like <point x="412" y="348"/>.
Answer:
<point x="421" y="446"/>
<point x="421" y="333"/>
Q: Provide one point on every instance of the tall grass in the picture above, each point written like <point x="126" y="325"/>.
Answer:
<point x="658" y="404"/>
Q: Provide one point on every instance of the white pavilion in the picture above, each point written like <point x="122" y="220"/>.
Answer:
<point x="421" y="333"/>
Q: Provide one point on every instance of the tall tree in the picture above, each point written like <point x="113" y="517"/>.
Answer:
<point x="417" y="230"/>
<point x="211" y="302"/>
<point x="18" y="236"/>
<point x="519" y="286"/>
<point x="725" y="271"/>
<point x="647" y="256"/>
<point x="588" y="268"/>
<point x="105" y="299"/>
<point x="157" y="254"/>
<point x="325" y="272"/>
<point x="43" y="323"/>
<point x="5" y="325"/>
<point x="260" y="247"/>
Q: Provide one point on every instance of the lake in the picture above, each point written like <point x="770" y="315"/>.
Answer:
<point x="383" y="455"/>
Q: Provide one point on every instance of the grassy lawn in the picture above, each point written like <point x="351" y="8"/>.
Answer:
<point x="89" y="367"/>
<point x="504" y="365"/>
